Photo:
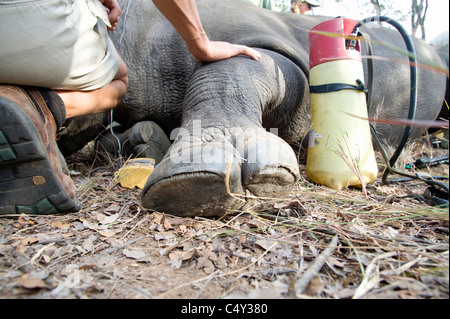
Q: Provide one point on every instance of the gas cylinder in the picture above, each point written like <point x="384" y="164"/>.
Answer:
<point x="340" y="151"/>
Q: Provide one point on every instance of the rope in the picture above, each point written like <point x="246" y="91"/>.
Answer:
<point x="112" y="110"/>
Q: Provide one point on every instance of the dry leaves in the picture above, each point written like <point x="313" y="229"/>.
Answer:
<point x="315" y="243"/>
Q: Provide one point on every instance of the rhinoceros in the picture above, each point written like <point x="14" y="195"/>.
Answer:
<point x="232" y="121"/>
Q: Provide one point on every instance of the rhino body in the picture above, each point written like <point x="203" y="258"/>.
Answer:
<point x="222" y="115"/>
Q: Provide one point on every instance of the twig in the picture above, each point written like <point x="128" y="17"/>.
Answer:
<point x="304" y="280"/>
<point x="189" y="283"/>
<point x="114" y="249"/>
<point x="38" y="254"/>
<point x="361" y="266"/>
<point x="112" y="289"/>
<point x="409" y="265"/>
<point x="144" y="292"/>
<point x="367" y="283"/>
<point x="249" y="265"/>
<point x="204" y="287"/>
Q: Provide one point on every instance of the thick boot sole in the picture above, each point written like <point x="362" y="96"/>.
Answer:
<point x="28" y="181"/>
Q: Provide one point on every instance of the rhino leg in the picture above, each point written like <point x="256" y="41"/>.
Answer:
<point x="222" y="158"/>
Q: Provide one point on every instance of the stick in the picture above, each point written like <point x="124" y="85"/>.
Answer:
<point x="304" y="280"/>
<point x="249" y="265"/>
<point x="114" y="249"/>
<point x="38" y="254"/>
<point x="368" y="283"/>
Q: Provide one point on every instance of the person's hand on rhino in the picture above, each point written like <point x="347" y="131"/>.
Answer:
<point x="183" y="15"/>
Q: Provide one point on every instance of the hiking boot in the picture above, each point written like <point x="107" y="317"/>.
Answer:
<point x="32" y="180"/>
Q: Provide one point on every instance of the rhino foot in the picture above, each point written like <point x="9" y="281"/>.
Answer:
<point x="144" y="139"/>
<point x="220" y="172"/>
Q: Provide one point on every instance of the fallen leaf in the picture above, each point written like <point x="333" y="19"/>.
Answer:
<point x="31" y="282"/>
<point x="113" y="208"/>
<point x="24" y="243"/>
<point x="183" y="229"/>
<point x="90" y="225"/>
<point x="178" y="221"/>
<point x="4" y="248"/>
<point x="110" y="219"/>
<point x="46" y="258"/>
<point x="25" y="220"/>
<point x="345" y="216"/>
<point x="334" y="262"/>
<point x="222" y="261"/>
<point x="105" y="261"/>
<point x="176" y="262"/>
<point x="183" y="255"/>
<point x="109" y="232"/>
<point x="134" y="253"/>
<point x="315" y="287"/>
<point x="265" y="244"/>
<point x="158" y="217"/>
<point x="67" y="235"/>
<point x="167" y="225"/>
<point x="88" y="243"/>
<point x="60" y="225"/>
<point x="205" y="264"/>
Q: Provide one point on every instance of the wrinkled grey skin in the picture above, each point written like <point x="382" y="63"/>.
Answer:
<point x="224" y="108"/>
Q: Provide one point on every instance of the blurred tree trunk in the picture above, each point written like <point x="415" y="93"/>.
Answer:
<point x="376" y="6"/>
<point x="418" y="14"/>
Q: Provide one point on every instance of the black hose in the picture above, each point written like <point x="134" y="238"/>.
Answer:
<point x="413" y="85"/>
<point x="436" y="196"/>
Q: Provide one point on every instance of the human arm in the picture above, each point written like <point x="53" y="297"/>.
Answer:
<point x="183" y="15"/>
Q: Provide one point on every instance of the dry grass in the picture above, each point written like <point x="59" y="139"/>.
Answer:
<point x="312" y="243"/>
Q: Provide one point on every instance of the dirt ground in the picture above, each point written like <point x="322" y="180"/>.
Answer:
<point x="311" y="243"/>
